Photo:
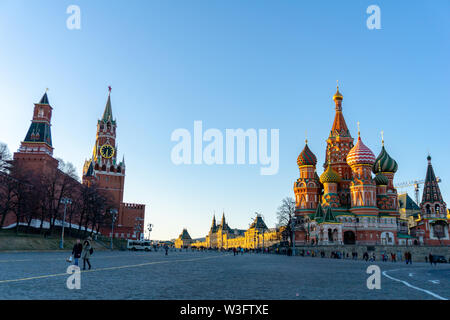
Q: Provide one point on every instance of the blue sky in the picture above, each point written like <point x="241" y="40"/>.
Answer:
<point x="232" y="64"/>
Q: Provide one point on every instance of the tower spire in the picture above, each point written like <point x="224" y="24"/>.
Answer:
<point x="107" y="114"/>
<point x="431" y="191"/>
<point x="359" y="131"/>
<point x="339" y="126"/>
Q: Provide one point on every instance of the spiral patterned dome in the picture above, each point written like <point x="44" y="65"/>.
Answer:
<point x="306" y="157"/>
<point x="384" y="163"/>
<point x="381" y="180"/>
<point x="330" y="176"/>
<point x="360" y="154"/>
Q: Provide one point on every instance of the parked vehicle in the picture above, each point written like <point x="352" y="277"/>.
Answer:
<point x="135" y="245"/>
<point x="439" y="259"/>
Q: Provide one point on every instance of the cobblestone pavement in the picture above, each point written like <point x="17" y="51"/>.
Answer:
<point x="211" y="275"/>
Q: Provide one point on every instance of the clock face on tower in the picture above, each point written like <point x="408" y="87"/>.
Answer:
<point x="107" y="151"/>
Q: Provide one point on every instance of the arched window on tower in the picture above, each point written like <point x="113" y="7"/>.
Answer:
<point x="428" y="209"/>
<point x="437" y="209"/>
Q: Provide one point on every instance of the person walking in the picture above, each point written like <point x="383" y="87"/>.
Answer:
<point x="408" y="257"/>
<point x="430" y="258"/>
<point x="76" y="251"/>
<point x="86" y="253"/>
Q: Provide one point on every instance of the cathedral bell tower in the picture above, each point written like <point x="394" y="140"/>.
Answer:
<point x="339" y="144"/>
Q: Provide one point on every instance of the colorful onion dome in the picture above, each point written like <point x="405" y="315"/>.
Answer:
<point x="384" y="163"/>
<point x="381" y="179"/>
<point x="360" y="154"/>
<point x="330" y="176"/>
<point x="306" y="157"/>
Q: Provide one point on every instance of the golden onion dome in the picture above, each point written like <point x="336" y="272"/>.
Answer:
<point x="338" y="95"/>
<point x="330" y="176"/>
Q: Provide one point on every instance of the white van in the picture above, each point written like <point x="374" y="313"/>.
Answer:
<point x="139" y="245"/>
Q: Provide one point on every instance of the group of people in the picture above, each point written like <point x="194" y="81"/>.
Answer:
<point x="385" y="257"/>
<point x="408" y="257"/>
<point x="83" y="251"/>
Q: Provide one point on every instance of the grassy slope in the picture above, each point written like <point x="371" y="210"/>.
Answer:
<point x="9" y="241"/>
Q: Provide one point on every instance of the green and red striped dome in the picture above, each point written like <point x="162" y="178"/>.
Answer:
<point x="384" y="163"/>
<point x="306" y="157"/>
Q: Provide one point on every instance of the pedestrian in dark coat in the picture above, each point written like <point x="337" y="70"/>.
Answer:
<point x="76" y="251"/>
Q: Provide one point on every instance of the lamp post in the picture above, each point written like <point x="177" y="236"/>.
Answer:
<point x="65" y="201"/>
<point x="293" y="235"/>
<point x="149" y="228"/>
<point x="113" y="221"/>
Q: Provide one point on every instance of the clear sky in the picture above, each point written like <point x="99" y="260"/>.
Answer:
<point x="232" y="64"/>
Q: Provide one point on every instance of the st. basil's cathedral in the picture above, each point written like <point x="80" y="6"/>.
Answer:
<point x="347" y="205"/>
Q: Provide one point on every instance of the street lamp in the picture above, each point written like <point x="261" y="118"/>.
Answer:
<point x="293" y="235"/>
<point x="65" y="201"/>
<point x="113" y="221"/>
<point x="149" y="228"/>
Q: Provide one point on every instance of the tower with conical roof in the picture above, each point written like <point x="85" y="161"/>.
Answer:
<point x="36" y="150"/>
<point x="213" y="225"/>
<point x="39" y="136"/>
<point x="104" y="167"/>
<point x="307" y="187"/>
<point x="432" y="204"/>
<point x="339" y="144"/>
<point x="434" y="222"/>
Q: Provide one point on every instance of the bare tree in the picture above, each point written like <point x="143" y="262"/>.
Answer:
<point x="5" y="158"/>
<point x="7" y="199"/>
<point x="286" y="211"/>
<point x="285" y="214"/>
<point x="56" y="185"/>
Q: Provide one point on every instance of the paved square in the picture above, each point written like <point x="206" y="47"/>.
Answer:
<point x="212" y="275"/>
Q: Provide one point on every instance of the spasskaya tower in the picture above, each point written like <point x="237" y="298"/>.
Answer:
<point x="108" y="173"/>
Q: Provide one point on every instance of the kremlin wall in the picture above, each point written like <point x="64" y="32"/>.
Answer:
<point x="103" y="171"/>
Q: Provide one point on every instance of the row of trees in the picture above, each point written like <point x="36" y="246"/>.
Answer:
<point x="35" y="196"/>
